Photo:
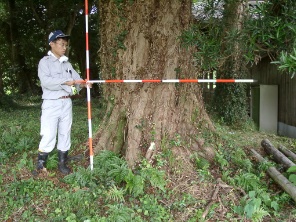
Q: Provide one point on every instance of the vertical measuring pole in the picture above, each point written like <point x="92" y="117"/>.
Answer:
<point x="91" y="154"/>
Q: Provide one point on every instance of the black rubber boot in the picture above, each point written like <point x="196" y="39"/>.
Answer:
<point x="63" y="156"/>
<point x="41" y="162"/>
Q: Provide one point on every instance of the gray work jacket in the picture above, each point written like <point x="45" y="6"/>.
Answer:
<point x="52" y="74"/>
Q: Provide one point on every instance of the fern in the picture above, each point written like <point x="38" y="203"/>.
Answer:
<point x="24" y="143"/>
<point x="155" y="177"/>
<point x="200" y="162"/>
<point x="115" y="194"/>
<point x="248" y="181"/>
<point x="134" y="184"/>
<point x="110" y="166"/>
<point x="104" y="156"/>
<point x="259" y="215"/>
<point x="52" y="162"/>
<point x="110" y="163"/>
<point x="120" y="213"/>
<point x="82" y="178"/>
<point x="241" y="159"/>
<point x="118" y="172"/>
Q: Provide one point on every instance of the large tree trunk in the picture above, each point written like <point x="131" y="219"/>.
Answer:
<point x="140" y="41"/>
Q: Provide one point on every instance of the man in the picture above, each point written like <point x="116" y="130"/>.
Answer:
<point x="57" y="78"/>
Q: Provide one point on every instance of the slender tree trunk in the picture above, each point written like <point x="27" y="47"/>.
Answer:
<point x="1" y="83"/>
<point x="23" y="73"/>
<point x="230" y="99"/>
<point x="140" y="41"/>
<point x="71" y="22"/>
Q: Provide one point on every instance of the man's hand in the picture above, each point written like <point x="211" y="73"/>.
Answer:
<point x="69" y="83"/>
<point x="84" y="85"/>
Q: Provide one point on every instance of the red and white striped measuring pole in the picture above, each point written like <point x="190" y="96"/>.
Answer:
<point x="91" y="154"/>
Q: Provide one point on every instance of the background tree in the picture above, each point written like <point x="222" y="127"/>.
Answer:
<point x="25" y="26"/>
<point x="217" y="34"/>
<point x="230" y="100"/>
<point x="140" y="40"/>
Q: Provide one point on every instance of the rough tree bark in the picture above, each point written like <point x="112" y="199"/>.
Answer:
<point x="276" y="154"/>
<point x="287" y="152"/>
<point x="139" y="40"/>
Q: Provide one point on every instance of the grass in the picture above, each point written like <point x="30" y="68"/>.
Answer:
<point x="164" y="190"/>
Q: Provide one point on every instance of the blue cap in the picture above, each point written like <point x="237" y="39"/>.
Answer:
<point x="56" y="34"/>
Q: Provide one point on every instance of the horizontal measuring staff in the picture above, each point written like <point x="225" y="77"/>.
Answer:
<point x="170" y="81"/>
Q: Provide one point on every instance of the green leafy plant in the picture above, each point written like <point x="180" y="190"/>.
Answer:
<point x="287" y="62"/>
<point x="119" y="171"/>
<point x="292" y="176"/>
<point x="241" y="159"/>
<point x="52" y="161"/>
<point x="120" y="212"/>
<point x="25" y="162"/>
<point x="252" y="207"/>
<point x="152" y="209"/>
<point x="115" y="194"/>
<point x="83" y="177"/>
<point x="154" y="176"/>
<point x="134" y="184"/>
<point x="202" y="167"/>
<point x="110" y="166"/>
<point x="177" y="141"/>
<point x="219" y="157"/>
<point x="248" y="181"/>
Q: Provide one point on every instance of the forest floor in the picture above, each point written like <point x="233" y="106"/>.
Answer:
<point x="233" y="187"/>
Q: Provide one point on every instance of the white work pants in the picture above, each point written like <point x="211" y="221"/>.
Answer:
<point x="56" y="119"/>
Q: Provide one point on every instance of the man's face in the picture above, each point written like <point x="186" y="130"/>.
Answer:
<point x="59" y="47"/>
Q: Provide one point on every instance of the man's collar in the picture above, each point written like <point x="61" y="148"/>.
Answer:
<point x="61" y="59"/>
